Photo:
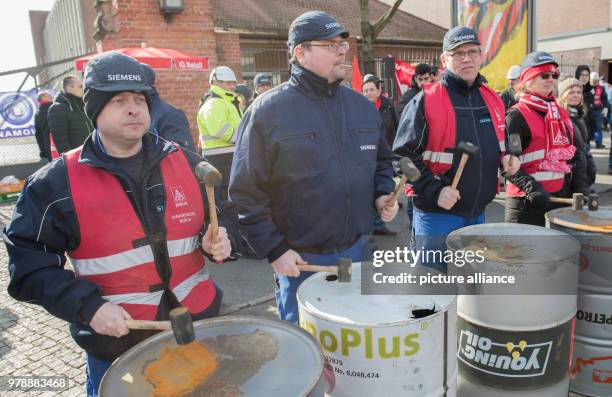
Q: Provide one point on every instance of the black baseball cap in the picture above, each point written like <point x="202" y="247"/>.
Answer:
<point x="115" y="72"/>
<point x="459" y="35"/>
<point x="314" y="25"/>
<point x="262" y="79"/>
<point x="537" y="58"/>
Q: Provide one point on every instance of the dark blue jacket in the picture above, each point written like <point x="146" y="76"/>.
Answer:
<point x="45" y="226"/>
<point x="478" y="184"/>
<point x="310" y="160"/>
<point x="170" y="122"/>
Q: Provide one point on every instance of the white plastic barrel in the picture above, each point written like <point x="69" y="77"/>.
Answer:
<point x="516" y="344"/>
<point x="591" y="370"/>
<point x="373" y="344"/>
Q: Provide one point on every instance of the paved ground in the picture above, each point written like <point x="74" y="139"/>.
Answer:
<point x="34" y="343"/>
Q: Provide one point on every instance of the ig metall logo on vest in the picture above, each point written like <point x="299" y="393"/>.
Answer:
<point x="513" y="360"/>
<point x="180" y="200"/>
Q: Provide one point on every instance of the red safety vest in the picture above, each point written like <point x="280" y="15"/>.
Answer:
<point x="440" y="118"/>
<point x="597" y="96"/>
<point x="108" y="254"/>
<point x="538" y="150"/>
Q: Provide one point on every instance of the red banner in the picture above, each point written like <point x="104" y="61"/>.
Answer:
<point x="403" y="74"/>
<point x="357" y="80"/>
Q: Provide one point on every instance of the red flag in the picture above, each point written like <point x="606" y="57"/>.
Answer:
<point x="357" y="81"/>
<point x="403" y="74"/>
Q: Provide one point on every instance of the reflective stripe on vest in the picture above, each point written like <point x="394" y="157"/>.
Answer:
<point x="537" y="151"/>
<point x="219" y="150"/>
<point x="113" y="251"/>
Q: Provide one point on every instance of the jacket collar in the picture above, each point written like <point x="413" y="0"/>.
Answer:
<point x="154" y="149"/>
<point x="70" y="100"/>
<point x="455" y="82"/>
<point x="226" y="95"/>
<point x="312" y="84"/>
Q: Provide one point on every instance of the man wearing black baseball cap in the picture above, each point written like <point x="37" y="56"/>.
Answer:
<point x="460" y="108"/>
<point x="312" y="163"/>
<point x="130" y="214"/>
<point x="261" y="83"/>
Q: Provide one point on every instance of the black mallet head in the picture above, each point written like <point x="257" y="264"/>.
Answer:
<point x="514" y="145"/>
<point x="208" y="174"/>
<point x="467" y="148"/>
<point x="410" y="171"/>
<point x="182" y="325"/>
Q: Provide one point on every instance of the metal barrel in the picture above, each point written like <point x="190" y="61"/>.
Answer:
<point x="376" y="345"/>
<point x="515" y="339"/>
<point x="254" y="357"/>
<point x="591" y="368"/>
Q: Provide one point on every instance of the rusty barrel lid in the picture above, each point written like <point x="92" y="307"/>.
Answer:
<point x="252" y="356"/>
<point x="599" y="221"/>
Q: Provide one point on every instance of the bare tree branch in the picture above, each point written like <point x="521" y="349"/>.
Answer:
<point x="386" y="17"/>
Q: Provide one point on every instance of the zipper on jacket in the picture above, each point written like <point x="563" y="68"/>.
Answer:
<point x="479" y="153"/>
<point x="346" y="180"/>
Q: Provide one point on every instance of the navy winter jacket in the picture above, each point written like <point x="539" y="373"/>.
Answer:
<point x="478" y="184"/>
<point x="311" y="159"/>
<point x="170" y="122"/>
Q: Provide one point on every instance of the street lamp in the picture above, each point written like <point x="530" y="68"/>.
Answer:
<point x="171" y="7"/>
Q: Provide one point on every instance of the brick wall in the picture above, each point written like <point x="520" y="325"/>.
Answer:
<point x="228" y="52"/>
<point x="569" y="60"/>
<point x="192" y="31"/>
<point x="558" y="17"/>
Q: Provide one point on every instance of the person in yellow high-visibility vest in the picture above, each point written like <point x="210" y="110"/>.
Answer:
<point x="218" y="120"/>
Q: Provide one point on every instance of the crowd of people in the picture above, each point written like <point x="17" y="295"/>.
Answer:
<point x="308" y="173"/>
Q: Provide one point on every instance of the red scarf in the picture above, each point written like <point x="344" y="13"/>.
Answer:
<point x="378" y="103"/>
<point x="556" y="122"/>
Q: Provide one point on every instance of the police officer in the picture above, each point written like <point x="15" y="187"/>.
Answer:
<point x="312" y="162"/>
<point x="129" y="213"/>
<point x="218" y="119"/>
<point x="459" y="108"/>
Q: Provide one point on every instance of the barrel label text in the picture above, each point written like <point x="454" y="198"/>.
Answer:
<point x="598" y="318"/>
<point x="349" y="342"/>
<point x="513" y="360"/>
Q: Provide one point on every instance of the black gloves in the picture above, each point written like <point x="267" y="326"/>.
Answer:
<point x="539" y="198"/>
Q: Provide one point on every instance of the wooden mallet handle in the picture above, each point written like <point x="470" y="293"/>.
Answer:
<point x="397" y="190"/>
<point x="212" y="208"/>
<point x="462" y="163"/>
<point x="317" y="268"/>
<point x="148" y="325"/>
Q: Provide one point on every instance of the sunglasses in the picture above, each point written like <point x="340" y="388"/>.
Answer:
<point x="546" y="76"/>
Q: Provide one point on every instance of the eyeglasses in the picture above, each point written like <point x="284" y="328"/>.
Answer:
<point x="471" y="54"/>
<point x="333" y="47"/>
<point x="546" y="76"/>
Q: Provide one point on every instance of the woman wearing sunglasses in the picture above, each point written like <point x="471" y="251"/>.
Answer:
<point x="547" y="140"/>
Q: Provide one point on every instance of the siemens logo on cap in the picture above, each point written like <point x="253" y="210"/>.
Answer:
<point x="332" y="25"/>
<point x="464" y="37"/>
<point x="124" y="77"/>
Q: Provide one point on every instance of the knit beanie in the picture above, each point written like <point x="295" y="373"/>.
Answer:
<point x="567" y="84"/>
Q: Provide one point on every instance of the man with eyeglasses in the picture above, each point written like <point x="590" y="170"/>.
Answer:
<point x="459" y="108"/>
<point x="311" y="163"/>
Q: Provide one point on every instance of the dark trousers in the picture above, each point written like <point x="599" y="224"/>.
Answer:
<point x="521" y="210"/>
<point x="223" y="163"/>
